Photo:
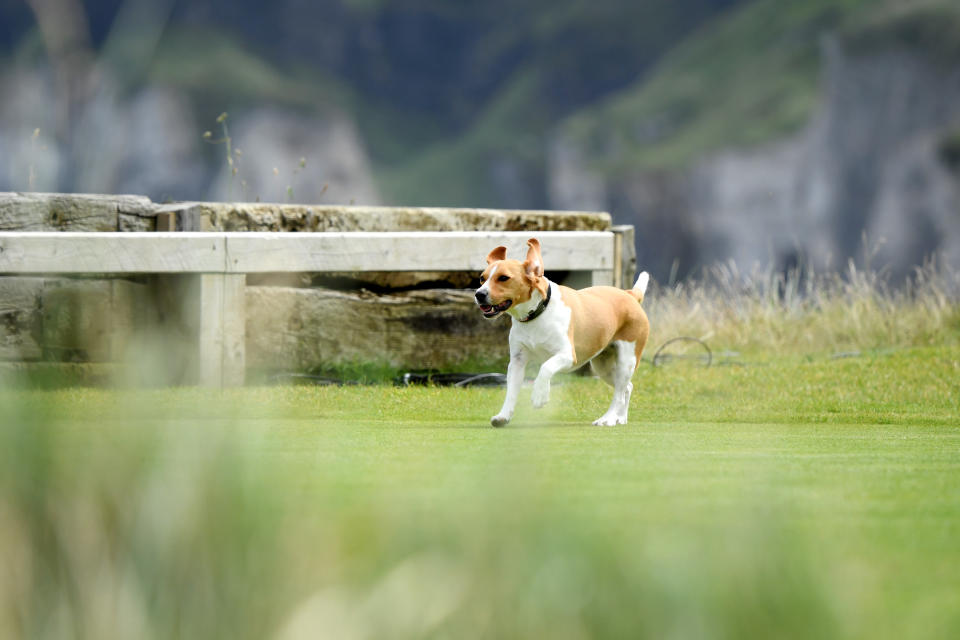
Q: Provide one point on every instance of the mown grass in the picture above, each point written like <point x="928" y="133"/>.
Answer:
<point x="801" y="496"/>
<point x="806" y="484"/>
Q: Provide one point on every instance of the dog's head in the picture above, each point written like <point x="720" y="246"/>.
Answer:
<point x="507" y="283"/>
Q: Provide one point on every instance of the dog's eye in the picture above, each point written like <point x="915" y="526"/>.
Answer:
<point x="482" y="279"/>
<point x="503" y="278"/>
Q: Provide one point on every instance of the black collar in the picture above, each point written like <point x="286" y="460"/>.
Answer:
<point x="540" y="307"/>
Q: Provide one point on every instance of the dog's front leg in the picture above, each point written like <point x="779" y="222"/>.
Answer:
<point x="541" y="386"/>
<point x="515" y="371"/>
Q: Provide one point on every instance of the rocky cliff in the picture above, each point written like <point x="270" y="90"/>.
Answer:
<point x="150" y="140"/>
<point x="877" y="162"/>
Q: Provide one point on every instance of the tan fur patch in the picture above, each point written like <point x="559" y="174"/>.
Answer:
<point x="507" y="282"/>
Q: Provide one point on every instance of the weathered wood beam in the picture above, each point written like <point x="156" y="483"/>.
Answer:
<point x="111" y="252"/>
<point x="252" y="252"/>
<point x="411" y="251"/>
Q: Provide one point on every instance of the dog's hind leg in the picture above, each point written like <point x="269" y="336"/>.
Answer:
<point x="604" y="364"/>
<point x="617" y="370"/>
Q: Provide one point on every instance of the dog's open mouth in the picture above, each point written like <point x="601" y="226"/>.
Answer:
<point x="489" y="312"/>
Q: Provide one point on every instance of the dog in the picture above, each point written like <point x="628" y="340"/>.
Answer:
<point x="564" y="328"/>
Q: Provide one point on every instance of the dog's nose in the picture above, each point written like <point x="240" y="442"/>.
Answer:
<point x="481" y="296"/>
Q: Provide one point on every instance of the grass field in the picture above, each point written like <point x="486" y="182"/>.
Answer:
<point x="799" y="496"/>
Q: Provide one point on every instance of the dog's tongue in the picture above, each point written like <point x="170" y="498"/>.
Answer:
<point x="486" y="308"/>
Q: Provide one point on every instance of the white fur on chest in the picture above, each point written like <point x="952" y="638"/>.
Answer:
<point x="545" y="335"/>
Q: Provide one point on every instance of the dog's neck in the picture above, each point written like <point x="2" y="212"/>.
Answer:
<point x="532" y="308"/>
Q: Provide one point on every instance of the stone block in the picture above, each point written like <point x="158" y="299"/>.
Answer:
<point x="292" y="329"/>
<point x="20" y="318"/>
<point x="216" y="216"/>
<point x="90" y="320"/>
<point x="68" y="212"/>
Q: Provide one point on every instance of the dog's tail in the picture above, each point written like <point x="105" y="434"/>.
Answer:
<point x="640" y="287"/>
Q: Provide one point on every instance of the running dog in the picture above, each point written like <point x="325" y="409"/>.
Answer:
<point x="564" y="328"/>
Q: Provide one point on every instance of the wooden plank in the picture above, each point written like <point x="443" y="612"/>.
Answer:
<point x="111" y="253"/>
<point x="246" y="252"/>
<point x="250" y="252"/>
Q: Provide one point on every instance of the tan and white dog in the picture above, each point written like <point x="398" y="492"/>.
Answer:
<point x="564" y="328"/>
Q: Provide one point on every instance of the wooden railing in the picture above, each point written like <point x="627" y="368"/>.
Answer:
<point x="209" y="268"/>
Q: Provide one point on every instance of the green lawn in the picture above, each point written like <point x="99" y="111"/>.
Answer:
<point x="801" y="497"/>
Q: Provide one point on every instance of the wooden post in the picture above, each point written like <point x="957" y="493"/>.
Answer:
<point x="610" y="274"/>
<point x="582" y="279"/>
<point x="625" y="256"/>
<point x="202" y="334"/>
<point x="221" y="329"/>
<point x="167" y="221"/>
<point x="600" y="277"/>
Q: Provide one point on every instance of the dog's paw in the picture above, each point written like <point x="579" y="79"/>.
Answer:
<point x="541" y="395"/>
<point x="608" y="420"/>
<point x="499" y="420"/>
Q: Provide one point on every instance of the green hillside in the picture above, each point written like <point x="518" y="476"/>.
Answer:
<point x="748" y="76"/>
<point x="706" y="77"/>
<point x="445" y="94"/>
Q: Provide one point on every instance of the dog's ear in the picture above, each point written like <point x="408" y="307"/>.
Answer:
<point x="533" y="265"/>
<point x="500" y="253"/>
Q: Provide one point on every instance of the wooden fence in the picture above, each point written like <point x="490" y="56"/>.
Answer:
<point x="209" y="269"/>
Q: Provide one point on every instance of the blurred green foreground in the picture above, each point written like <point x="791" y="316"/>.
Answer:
<point x="806" y="497"/>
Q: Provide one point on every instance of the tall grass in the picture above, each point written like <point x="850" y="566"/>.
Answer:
<point x="765" y="311"/>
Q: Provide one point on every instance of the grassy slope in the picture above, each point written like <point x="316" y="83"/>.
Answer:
<point x="457" y="171"/>
<point x="801" y="497"/>
<point x="743" y="78"/>
<point x="221" y="74"/>
<point x="747" y="77"/>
